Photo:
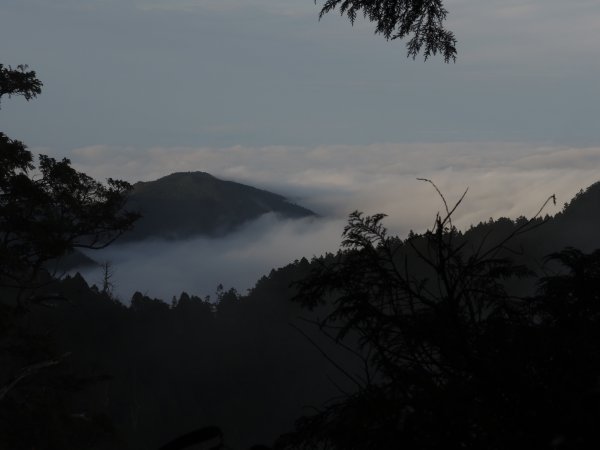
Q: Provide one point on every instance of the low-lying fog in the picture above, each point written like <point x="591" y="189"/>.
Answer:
<point x="504" y="179"/>
<point x="161" y="269"/>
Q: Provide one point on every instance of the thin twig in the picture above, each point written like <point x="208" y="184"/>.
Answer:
<point x="29" y="371"/>
<point x="318" y="347"/>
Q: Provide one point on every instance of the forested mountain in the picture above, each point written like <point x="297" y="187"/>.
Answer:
<point x="186" y="204"/>
<point x="250" y="364"/>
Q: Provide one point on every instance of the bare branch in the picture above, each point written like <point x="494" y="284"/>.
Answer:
<point x="30" y="371"/>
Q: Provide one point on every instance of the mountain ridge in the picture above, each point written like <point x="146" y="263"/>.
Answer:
<point x="188" y="204"/>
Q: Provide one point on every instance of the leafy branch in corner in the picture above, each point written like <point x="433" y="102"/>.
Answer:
<point x="421" y="20"/>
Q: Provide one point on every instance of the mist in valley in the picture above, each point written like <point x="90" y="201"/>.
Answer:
<point x="380" y="179"/>
<point x="166" y="268"/>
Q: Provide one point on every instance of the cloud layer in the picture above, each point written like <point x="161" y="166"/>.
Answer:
<point x="163" y="269"/>
<point x="504" y="179"/>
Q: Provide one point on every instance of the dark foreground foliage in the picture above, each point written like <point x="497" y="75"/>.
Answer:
<point x="49" y="209"/>
<point x="450" y="353"/>
<point x="46" y="210"/>
<point x="451" y="358"/>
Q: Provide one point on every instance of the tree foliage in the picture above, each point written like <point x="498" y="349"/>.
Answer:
<point x="452" y="359"/>
<point x="46" y="210"/>
<point x="49" y="209"/>
<point x="422" y="21"/>
<point x="19" y="81"/>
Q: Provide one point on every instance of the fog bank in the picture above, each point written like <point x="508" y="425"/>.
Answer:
<point x="163" y="269"/>
<point x="504" y="180"/>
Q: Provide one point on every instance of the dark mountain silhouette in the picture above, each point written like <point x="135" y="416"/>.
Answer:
<point x="575" y="226"/>
<point x="579" y="221"/>
<point x="186" y="204"/>
<point x="584" y="206"/>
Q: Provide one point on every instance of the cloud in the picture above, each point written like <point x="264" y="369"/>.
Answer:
<point x="163" y="269"/>
<point x="567" y="158"/>
<point x="504" y="179"/>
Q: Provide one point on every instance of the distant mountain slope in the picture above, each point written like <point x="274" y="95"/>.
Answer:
<point x="188" y="204"/>
<point x="584" y="207"/>
<point x="578" y="223"/>
<point x="575" y="226"/>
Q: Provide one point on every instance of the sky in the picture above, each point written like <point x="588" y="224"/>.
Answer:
<point x="328" y="114"/>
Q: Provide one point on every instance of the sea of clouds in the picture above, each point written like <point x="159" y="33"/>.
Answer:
<point x="503" y="179"/>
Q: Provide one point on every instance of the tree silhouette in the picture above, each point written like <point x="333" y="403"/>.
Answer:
<point x="46" y="210"/>
<point x="421" y="20"/>
<point x="49" y="210"/>
<point x="452" y="359"/>
<point x="19" y="81"/>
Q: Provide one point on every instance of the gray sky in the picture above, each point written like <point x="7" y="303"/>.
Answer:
<point x="219" y="73"/>
<point x="260" y="91"/>
<point x="254" y="90"/>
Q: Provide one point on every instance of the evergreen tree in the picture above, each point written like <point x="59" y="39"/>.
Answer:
<point x="422" y="21"/>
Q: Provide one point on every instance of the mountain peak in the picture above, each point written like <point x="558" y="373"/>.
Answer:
<point x="186" y="204"/>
